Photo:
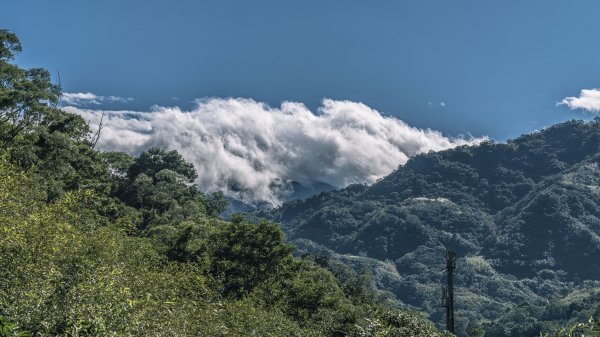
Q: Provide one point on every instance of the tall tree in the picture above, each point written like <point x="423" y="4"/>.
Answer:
<point x="26" y="95"/>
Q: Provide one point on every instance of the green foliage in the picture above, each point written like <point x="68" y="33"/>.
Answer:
<point x="155" y="160"/>
<point x="399" y="324"/>
<point x="590" y="328"/>
<point x="566" y="311"/>
<point x="476" y="332"/>
<point x="8" y="329"/>
<point x="69" y="271"/>
<point x="246" y="254"/>
<point x="215" y="203"/>
<point x="9" y="44"/>
<point x="38" y="134"/>
<point x="66" y="274"/>
<point x="159" y="184"/>
<point x="312" y="295"/>
<point x="25" y="94"/>
<point x="523" y="217"/>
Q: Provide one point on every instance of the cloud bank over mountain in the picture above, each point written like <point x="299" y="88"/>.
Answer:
<point x="253" y="152"/>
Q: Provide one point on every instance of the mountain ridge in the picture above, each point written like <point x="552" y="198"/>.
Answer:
<point x="522" y="215"/>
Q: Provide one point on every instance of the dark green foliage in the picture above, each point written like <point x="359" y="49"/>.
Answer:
<point x="400" y="324"/>
<point x="523" y="216"/>
<point x="589" y="328"/>
<point x="215" y="203"/>
<point x="40" y="135"/>
<point x="159" y="184"/>
<point x="154" y="160"/>
<point x="558" y="315"/>
<point x="27" y="96"/>
<point x="61" y="155"/>
<point x="8" y="329"/>
<point x="118" y="163"/>
<point x="9" y="44"/>
<point x="67" y="270"/>
<point x="313" y="296"/>
<point x="247" y="254"/>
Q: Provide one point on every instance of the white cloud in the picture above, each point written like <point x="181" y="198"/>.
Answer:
<point x="252" y="151"/>
<point x="589" y="99"/>
<point x="88" y="98"/>
<point x="116" y="99"/>
<point x="77" y="98"/>
<point x="442" y="104"/>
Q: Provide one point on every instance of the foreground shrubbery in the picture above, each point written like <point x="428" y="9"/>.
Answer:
<point x="67" y="270"/>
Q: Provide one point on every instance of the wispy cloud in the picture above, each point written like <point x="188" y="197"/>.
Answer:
<point x="253" y="152"/>
<point x="589" y="99"/>
<point x="441" y="104"/>
<point x="88" y="98"/>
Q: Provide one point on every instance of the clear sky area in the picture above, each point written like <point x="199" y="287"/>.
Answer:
<point x="485" y="68"/>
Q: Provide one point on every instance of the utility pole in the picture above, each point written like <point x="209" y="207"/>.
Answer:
<point x="448" y="292"/>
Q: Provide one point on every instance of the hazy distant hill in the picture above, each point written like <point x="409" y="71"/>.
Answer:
<point x="523" y="216"/>
<point x="298" y="191"/>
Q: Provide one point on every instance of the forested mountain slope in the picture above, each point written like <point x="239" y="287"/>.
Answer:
<point x="523" y="217"/>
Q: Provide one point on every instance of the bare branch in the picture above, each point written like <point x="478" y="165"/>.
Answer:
<point x="96" y="136"/>
<point x="60" y="88"/>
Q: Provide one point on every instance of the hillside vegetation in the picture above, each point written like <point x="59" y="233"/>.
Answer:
<point x="106" y="244"/>
<point x="523" y="216"/>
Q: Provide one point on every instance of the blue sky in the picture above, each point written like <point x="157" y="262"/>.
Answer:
<point x="483" y="67"/>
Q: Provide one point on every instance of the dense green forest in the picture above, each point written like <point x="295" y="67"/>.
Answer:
<point x="107" y="244"/>
<point x="523" y="216"/>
